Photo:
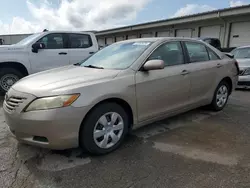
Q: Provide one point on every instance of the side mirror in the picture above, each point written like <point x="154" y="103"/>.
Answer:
<point x="37" y="46"/>
<point x="154" y="65"/>
<point x="229" y="55"/>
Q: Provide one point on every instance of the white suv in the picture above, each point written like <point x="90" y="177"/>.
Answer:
<point x="43" y="51"/>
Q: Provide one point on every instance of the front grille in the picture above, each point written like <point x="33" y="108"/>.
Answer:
<point x="244" y="83"/>
<point x="13" y="102"/>
<point x="241" y="72"/>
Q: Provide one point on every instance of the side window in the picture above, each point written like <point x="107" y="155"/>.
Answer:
<point x="53" y="41"/>
<point x="171" y="53"/>
<point x="217" y="43"/>
<point x="212" y="55"/>
<point x="197" y="52"/>
<point x="80" y="41"/>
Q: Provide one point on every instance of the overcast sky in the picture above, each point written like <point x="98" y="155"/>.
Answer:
<point x="26" y="16"/>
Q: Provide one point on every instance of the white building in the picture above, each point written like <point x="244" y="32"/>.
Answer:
<point x="12" y="39"/>
<point x="230" y="25"/>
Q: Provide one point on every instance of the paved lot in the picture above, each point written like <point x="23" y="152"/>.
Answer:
<point x="196" y="149"/>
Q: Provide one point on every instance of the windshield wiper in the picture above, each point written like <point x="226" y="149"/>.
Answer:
<point x="92" y="66"/>
<point x="77" y="64"/>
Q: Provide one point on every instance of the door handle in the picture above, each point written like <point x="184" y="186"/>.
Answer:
<point x="218" y="65"/>
<point x="62" y="53"/>
<point x="91" y="52"/>
<point x="184" y="72"/>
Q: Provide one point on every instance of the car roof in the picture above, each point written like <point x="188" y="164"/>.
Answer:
<point x="243" y="47"/>
<point x="62" y="31"/>
<point x="157" y="39"/>
<point x="204" y="38"/>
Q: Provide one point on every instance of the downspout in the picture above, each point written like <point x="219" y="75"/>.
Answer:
<point x="130" y="29"/>
<point x="225" y="29"/>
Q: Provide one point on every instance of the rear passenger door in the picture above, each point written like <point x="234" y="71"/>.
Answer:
<point x="80" y="47"/>
<point x="203" y="68"/>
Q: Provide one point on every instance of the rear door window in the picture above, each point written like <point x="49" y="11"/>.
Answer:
<point x="212" y="55"/>
<point x="80" y="41"/>
<point x="197" y="52"/>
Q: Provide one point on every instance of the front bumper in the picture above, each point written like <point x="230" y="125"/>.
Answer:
<point x="53" y="129"/>
<point x="244" y="82"/>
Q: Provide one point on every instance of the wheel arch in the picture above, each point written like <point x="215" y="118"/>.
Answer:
<point x="229" y="81"/>
<point x="16" y="65"/>
<point x="124" y="104"/>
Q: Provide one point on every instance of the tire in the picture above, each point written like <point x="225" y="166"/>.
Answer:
<point x="11" y="75"/>
<point x="215" y="105"/>
<point x="96" y="144"/>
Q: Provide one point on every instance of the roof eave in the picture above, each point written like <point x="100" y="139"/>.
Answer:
<point x="178" y="20"/>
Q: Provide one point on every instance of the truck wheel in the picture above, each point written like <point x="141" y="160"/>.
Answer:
<point x="8" y="76"/>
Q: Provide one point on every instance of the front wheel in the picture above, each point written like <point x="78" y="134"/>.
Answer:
<point x="8" y="77"/>
<point x="104" y="128"/>
<point x="220" y="96"/>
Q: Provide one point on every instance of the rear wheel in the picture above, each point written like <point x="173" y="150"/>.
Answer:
<point x="8" y="76"/>
<point x="220" y="96"/>
<point x="104" y="128"/>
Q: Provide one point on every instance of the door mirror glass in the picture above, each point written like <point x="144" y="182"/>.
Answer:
<point x="154" y="65"/>
<point x="37" y="46"/>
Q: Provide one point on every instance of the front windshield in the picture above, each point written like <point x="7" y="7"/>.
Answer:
<point x="117" y="56"/>
<point x="28" y="39"/>
<point x="241" y="53"/>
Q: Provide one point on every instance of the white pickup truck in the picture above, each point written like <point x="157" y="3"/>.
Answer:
<point x="43" y="51"/>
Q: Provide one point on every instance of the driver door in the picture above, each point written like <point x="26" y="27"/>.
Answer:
<point x="55" y="53"/>
<point x="166" y="90"/>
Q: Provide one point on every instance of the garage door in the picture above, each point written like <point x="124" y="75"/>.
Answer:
<point x="132" y="36"/>
<point x="118" y="39"/>
<point x="145" y="35"/>
<point x="101" y="42"/>
<point x="109" y="41"/>
<point x="163" y="34"/>
<point x="240" y="34"/>
<point x="184" y="33"/>
<point x="210" y="31"/>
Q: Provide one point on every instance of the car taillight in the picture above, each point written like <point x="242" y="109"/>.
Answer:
<point x="237" y="67"/>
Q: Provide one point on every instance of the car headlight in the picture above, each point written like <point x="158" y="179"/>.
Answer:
<point x="247" y="71"/>
<point x="46" y="103"/>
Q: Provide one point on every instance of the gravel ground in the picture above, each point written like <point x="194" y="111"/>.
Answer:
<point x="196" y="149"/>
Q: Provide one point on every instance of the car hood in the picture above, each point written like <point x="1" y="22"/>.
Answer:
<point x="62" y="79"/>
<point x="243" y="63"/>
<point x="10" y="47"/>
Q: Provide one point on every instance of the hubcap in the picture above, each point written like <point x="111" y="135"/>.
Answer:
<point x="108" y="130"/>
<point x="221" y="97"/>
<point x="8" y="80"/>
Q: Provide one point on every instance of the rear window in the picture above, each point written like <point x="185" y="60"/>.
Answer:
<point x="80" y="41"/>
<point x="241" y="53"/>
